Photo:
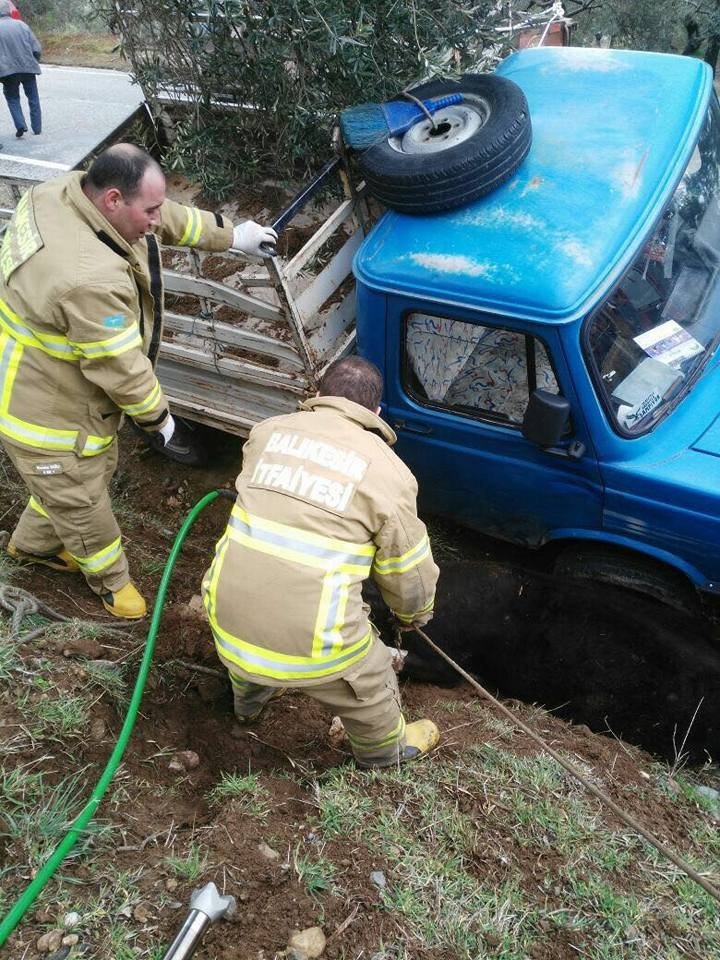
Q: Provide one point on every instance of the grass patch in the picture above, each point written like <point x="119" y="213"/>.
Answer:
<point x="316" y="873"/>
<point x="455" y="841"/>
<point x="246" y="792"/>
<point x="36" y="815"/>
<point x="109" y="677"/>
<point x="57" y="719"/>
<point x="191" y="866"/>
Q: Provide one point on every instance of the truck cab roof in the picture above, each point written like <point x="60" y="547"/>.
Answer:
<point x="612" y="133"/>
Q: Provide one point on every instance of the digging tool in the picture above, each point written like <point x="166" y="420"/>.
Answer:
<point x="206" y="906"/>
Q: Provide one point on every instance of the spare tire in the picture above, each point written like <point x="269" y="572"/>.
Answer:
<point x="473" y="148"/>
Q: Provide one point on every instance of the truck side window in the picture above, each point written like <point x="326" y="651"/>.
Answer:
<point x="474" y="369"/>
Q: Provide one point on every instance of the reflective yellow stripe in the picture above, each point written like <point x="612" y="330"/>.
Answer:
<point x="193" y="228"/>
<point x="37" y="507"/>
<point x="53" y="344"/>
<point x="405" y="562"/>
<point x="339" y="559"/>
<point x="268" y="663"/>
<point x="22" y="431"/>
<point x="278" y="666"/>
<point x="291" y="543"/>
<point x="95" y="445"/>
<point x="362" y="745"/>
<point x="97" y="562"/>
<point x="146" y="405"/>
<point x="126" y="340"/>
<point x="409" y="617"/>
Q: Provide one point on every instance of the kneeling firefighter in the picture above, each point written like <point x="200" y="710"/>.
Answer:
<point x="323" y="503"/>
<point x="80" y="326"/>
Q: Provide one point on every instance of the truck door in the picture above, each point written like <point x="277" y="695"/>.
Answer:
<point x="456" y="393"/>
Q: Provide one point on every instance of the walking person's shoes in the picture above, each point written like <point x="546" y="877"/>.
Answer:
<point x="56" y="561"/>
<point x="126" y="603"/>
<point x="20" y="132"/>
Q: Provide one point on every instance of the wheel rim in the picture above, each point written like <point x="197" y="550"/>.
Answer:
<point x="450" y="127"/>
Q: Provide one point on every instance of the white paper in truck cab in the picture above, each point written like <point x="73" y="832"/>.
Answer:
<point x="669" y="343"/>
<point x="647" y="384"/>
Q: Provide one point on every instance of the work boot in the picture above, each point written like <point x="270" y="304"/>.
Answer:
<point x="56" y="561"/>
<point x="420" y="737"/>
<point x="126" y="603"/>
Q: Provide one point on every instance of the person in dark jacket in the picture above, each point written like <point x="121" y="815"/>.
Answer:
<point x="19" y="65"/>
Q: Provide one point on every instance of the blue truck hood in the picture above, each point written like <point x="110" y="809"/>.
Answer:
<point x="612" y="133"/>
<point x="709" y="442"/>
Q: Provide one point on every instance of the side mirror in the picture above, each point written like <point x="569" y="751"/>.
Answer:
<point x="546" y="419"/>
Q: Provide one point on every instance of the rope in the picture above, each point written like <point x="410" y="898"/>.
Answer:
<point x="21" y="604"/>
<point x="579" y="775"/>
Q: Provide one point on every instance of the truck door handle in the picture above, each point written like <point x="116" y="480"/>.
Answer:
<point x="412" y="427"/>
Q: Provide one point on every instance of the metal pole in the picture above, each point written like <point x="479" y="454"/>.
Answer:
<point x="206" y="906"/>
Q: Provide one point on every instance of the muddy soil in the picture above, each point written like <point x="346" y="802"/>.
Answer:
<point x="574" y="649"/>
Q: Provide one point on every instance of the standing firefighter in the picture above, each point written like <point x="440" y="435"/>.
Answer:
<point x="80" y="326"/>
<point x="322" y="504"/>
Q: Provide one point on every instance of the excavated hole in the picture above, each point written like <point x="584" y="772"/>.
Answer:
<point x="594" y="654"/>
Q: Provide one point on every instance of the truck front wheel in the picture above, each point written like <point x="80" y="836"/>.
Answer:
<point x="469" y="149"/>
<point x="626" y="569"/>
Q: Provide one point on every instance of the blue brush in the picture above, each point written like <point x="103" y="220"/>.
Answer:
<point x="371" y="123"/>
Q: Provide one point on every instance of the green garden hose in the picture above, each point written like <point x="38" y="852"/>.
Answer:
<point x="32" y="891"/>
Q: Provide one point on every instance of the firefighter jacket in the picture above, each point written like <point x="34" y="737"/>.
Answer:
<point x="322" y="503"/>
<point x="80" y="310"/>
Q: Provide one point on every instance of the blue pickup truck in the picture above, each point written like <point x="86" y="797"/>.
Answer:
<point x="550" y="350"/>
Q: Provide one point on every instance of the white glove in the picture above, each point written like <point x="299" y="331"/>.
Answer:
<point x="248" y="236"/>
<point x="168" y="430"/>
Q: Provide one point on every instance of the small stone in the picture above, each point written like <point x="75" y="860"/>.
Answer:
<point x="70" y="940"/>
<point x="172" y="502"/>
<point x="97" y="729"/>
<point x="176" y="766"/>
<point x="71" y="920"/>
<point x="194" y="609"/>
<point x="378" y="878"/>
<point x="189" y="759"/>
<point x="268" y="852"/>
<point x="171" y="884"/>
<point x="142" y="913"/>
<point x="50" y="941"/>
<point x="83" y="647"/>
<point x="311" y="941"/>
<point x="126" y="912"/>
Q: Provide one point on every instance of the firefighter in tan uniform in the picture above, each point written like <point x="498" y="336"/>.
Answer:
<point x="323" y="503"/>
<point x="80" y="311"/>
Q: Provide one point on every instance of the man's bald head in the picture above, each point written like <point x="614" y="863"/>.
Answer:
<point x="128" y="187"/>
<point x="123" y="166"/>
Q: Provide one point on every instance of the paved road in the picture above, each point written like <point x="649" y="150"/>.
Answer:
<point x="81" y="106"/>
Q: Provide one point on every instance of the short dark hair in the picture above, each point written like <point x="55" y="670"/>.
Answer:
<point x="121" y="166"/>
<point x="355" y="379"/>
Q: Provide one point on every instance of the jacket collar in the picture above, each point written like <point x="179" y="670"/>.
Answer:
<point x="92" y="216"/>
<point x="354" y="412"/>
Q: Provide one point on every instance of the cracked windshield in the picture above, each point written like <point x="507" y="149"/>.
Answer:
<point x="651" y="338"/>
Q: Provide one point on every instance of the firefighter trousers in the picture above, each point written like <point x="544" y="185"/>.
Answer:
<point x="366" y="698"/>
<point x="70" y="507"/>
